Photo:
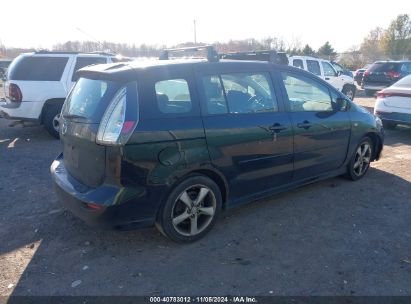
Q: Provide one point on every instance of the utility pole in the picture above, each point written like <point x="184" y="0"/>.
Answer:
<point x="195" y="32"/>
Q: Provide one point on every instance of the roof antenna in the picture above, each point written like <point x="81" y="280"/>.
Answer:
<point x="95" y="40"/>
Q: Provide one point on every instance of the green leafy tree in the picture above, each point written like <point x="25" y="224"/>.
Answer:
<point x="327" y="51"/>
<point x="308" y="51"/>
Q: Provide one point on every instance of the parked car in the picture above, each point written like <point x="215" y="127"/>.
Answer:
<point x="358" y="74"/>
<point x="393" y="104"/>
<point x="173" y="142"/>
<point x="325" y="70"/>
<point x="37" y="84"/>
<point x="341" y="69"/>
<point x="382" y="74"/>
<point x="4" y="64"/>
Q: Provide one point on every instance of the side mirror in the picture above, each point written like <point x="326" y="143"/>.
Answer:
<point x="339" y="73"/>
<point x="341" y="104"/>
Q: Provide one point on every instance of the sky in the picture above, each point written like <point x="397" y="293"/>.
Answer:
<point x="43" y="23"/>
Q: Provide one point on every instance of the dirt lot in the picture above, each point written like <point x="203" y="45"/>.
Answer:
<point x="331" y="238"/>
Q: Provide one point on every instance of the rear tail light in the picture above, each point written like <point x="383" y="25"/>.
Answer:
<point x="114" y="128"/>
<point x="393" y="74"/>
<point x="15" y="94"/>
<point x="366" y="73"/>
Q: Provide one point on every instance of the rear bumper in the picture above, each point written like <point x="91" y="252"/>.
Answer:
<point x="25" y="110"/>
<point x="116" y="207"/>
<point x="392" y="114"/>
<point x="400" y="118"/>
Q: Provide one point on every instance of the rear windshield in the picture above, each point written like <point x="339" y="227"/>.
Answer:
<point x="383" y="67"/>
<point x="37" y="68"/>
<point x="89" y="99"/>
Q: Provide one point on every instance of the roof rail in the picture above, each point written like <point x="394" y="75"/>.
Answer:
<point x="212" y="55"/>
<point x="73" y="52"/>
<point x="265" y="55"/>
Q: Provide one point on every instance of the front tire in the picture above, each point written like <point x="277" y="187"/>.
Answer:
<point x="52" y="120"/>
<point x="349" y="91"/>
<point x="361" y="160"/>
<point x="191" y="210"/>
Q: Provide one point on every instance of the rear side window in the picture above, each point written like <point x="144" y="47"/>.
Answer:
<point x="314" y="67"/>
<point x="298" y="63"/>
<point x="307" y="95"/>
<point x="406" y="67"/>
<point x="89" y="99"/>
<point x="239" y="93"/>
<point x="38" y="68"/>
<point x="82" y="62"/>
<point x="173" y="96"/>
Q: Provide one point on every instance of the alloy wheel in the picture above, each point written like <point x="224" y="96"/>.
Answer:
<point x="362" y="159"/>
<point x="194" y="210"/>
<point x="56" y="122"/>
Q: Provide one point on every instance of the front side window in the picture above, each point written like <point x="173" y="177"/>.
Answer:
<point x="173" y="96"/>
<point x="305" y="94"/>
<point x="314" y="67"/>
<point x="328" y="69"/>
<point x="40" y="68"/>
<point x="82" y="62"/>
<point x="239" y="93"/>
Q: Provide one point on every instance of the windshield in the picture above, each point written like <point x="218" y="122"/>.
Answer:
<point x="338" y="67"/>
<point x="404" y="82"/>
<point x="89" y="99"/>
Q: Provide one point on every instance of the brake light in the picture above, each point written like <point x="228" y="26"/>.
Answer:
<point x="393" y="74"/>
<point x="15" y="94"/>
<point x="114" y="129"/>
<point x="94" y="206"/>
<point x="366" y="73"/>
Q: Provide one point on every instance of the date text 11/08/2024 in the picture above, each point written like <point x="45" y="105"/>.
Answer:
<point x="234" y="299"/>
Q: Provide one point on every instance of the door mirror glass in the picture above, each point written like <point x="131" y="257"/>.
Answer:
<point x="341" y="104"/>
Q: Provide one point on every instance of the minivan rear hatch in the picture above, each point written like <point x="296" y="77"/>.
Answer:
<point x="84" y="159"/>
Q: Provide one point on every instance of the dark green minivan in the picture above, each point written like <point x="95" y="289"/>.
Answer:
<point x="173" y="142"/>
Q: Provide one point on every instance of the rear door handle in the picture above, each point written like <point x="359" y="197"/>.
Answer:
<point x="277" y="127"/>
<point x="327" y="78"/>
<point x="305" y="124"/>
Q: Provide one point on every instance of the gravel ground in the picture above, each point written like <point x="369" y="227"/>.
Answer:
<point x="334" y="237"/>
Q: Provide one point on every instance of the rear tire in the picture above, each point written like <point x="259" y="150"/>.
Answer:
<point x="389" y="125"/>
<point x="361" y="159"/>
<point x="51" y="120"/>
<point x="190" y="210"/>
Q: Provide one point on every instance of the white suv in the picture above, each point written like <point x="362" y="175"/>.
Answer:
<point x="38" y="83"/>
<point x="325" y="70"/>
